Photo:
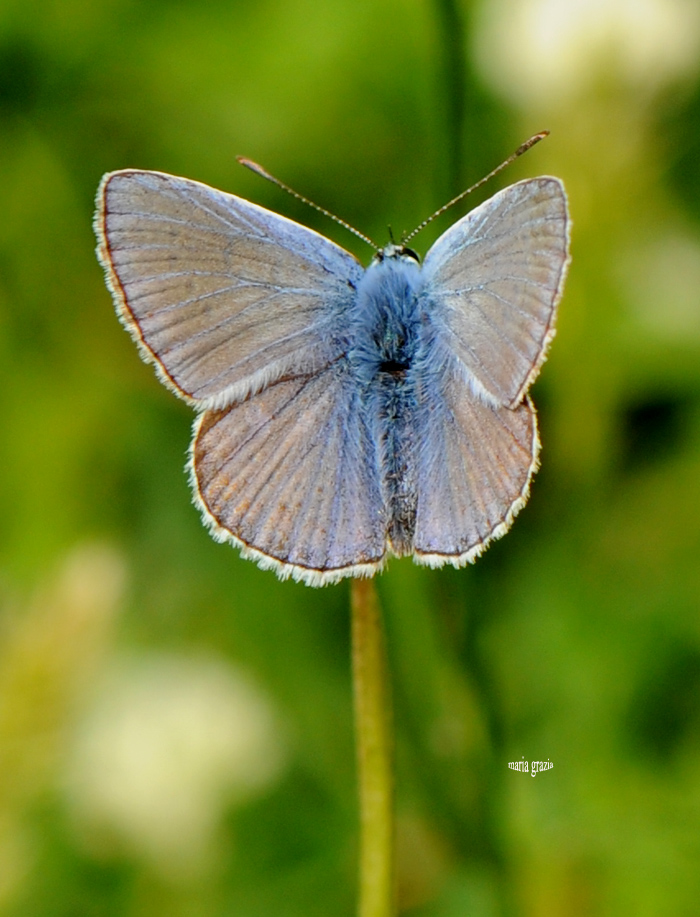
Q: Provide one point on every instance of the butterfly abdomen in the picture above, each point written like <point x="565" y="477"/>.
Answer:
<point x="386" y="335"/>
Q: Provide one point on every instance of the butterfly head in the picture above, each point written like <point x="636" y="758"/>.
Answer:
<point x="392" y="250"/>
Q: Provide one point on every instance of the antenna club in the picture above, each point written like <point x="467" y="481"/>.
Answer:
<point x="524" y="147"/>
<point x="254" y="167"/>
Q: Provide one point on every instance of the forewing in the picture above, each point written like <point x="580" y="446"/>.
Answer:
<point x="291" y="475"/>
<point x="222" y="295"/>
<point x="494" y="280"/>
<point x="474" y="469"/>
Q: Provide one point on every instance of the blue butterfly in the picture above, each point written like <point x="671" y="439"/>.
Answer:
<point x="344" y="414"/>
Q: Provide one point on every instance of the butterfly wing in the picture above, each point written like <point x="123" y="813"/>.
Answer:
<point x="221" y="295"/>
<point x="291" y="475"/>
<point x="494" y="280"/>
<point x="474" y="471"/>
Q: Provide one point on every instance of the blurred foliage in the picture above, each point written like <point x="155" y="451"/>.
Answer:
<point x="576" y="638"/>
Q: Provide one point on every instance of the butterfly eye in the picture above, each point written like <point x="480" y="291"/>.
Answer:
<point x="409" y="253"/>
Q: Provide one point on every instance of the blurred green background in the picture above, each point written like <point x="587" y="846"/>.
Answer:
<point x="175" y="724"/>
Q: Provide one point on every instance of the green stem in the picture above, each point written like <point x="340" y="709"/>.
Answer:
<point x="452" y="43"/>
<point x="375" y="746"/>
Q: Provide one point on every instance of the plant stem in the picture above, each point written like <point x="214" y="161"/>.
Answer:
<point x="375" y="747"/>
<point x="451" y="43"/>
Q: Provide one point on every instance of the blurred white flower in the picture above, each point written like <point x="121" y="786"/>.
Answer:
<point x="536" y="51"/>
<point x="168" y="743"/>
<point x="50" y="649"/>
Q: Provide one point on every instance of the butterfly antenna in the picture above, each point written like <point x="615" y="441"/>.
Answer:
<point x="254" y="167"/>
<point x="523" y="148"/>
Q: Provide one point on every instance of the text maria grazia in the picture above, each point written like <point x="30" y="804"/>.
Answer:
<point x="530" y="767"/>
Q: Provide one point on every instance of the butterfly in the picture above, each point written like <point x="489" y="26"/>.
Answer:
<point x="344" y="414"/>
